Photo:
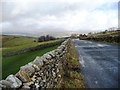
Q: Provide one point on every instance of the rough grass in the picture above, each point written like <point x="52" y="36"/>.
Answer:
<point x="11" y="41"/>
<point x="72" y="77"/>
<point x="14" y="43"/>
<point x="106" y="34"/>
<point x="11" y="65"/>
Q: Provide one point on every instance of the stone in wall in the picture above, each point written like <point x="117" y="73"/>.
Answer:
<point x="38" y="62"/>
<point x="11" y="82"/>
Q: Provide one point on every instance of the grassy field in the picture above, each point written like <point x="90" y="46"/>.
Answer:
<point x="14" y="43"/>
<point x="11" y="65"/>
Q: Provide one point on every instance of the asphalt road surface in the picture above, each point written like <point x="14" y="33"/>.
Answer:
<point x="99" y="63"/>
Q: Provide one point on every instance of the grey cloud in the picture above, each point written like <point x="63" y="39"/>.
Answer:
<point x="38" y="10"/>
<point x="29" y="19"/>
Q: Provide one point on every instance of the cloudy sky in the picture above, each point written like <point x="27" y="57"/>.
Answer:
<point x="57" y="16"/>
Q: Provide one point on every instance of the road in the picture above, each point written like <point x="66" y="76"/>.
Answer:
<point x="99" y="63"/>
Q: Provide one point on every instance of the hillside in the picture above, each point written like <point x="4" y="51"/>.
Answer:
<point x="105" y="36"/>
<point x="14" y="43"/>
<point x="106" y="33"/>
<point x="11" y="41"/>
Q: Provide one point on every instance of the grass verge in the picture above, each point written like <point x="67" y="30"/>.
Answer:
<point x="72" y="77"/>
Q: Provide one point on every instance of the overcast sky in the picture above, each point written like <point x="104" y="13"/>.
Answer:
<point x="60" y="16"/>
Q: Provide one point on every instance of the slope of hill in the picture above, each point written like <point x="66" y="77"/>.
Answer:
<point x="14" y="43"/>
<point x="106" y="33"/>
<point x="105" y="36"/>
<point x="11" y="41"/>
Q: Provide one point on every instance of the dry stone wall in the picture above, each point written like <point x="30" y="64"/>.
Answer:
<point x="110" y="39"/>
<point x="43" y="72"/>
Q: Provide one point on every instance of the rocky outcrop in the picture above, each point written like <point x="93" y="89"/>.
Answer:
<point x="43" y="72"/>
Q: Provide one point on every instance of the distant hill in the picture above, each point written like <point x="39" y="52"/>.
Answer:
<point x="12" y="40"/>
<point x="106" y="33"/>
<point x="105" y="36"/>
